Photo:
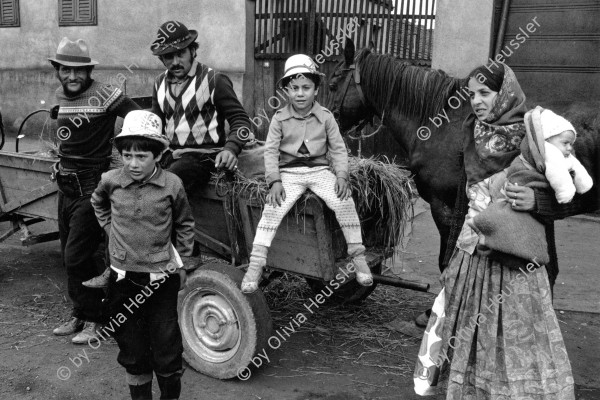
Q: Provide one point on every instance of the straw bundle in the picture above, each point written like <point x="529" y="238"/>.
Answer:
<point x="382" y="192"/>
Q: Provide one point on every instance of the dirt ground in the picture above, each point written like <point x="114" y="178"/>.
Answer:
<point x="338" y="353"/>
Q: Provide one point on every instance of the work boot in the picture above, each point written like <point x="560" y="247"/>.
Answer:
<point x="98" y="282"/>
<point x="363" y="272"/>
<point x="89" y="333"/>
<point x="170" y="386"/>
<point x="422" y="319"/>
<point x="141" y="392"/>
<point x="258" y="260"/>
<point x="70" y="327"/>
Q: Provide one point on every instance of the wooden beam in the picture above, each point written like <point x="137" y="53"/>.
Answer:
<point x="30" y="197"/>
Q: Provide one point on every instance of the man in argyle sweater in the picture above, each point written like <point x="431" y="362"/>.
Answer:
<point x="86" y="122"/>
<point x="194" y="101"/>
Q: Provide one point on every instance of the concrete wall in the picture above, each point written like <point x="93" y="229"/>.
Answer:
<point x="122" y="38"/>
<point x="462" y="35"/>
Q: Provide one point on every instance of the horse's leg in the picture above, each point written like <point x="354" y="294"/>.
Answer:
<point x="443" y="218"/>
<point x="448" y="212"/>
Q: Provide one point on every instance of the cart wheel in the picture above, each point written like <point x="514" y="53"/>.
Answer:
<point x="222" y="328"/>
<point x="350" y="293"/>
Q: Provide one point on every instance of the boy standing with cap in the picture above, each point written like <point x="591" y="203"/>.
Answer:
<point x="144" y="209"/>
<point x="86" y="122"/>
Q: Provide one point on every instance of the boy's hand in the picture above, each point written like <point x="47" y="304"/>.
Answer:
<point x="276" y="195"/>
<point x="342" y="189"/>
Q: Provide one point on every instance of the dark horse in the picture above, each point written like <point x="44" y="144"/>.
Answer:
<point x="424" y="110"/>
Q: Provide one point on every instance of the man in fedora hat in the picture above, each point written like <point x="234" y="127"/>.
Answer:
<point x="86" y="120"/>
<point x="193" y="102"/>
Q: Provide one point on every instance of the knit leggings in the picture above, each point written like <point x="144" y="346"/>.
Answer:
<point x="321" y="182"/>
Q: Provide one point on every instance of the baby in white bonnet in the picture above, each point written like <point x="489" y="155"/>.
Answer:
<point x="559" y="137"/>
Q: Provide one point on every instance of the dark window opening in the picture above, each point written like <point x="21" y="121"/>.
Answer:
<point x="9" y="13"/>
<point x="77" y="12"/>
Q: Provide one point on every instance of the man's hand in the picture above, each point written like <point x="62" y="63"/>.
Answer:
<point x="226" y="159"/>
<point x="276" y="195"/>
<point x="342" y="189"/>
<point x="521" y="198"/>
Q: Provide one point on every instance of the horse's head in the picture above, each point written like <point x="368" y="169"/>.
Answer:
<point x="345" y="99"/>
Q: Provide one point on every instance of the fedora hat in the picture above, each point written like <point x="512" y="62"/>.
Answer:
<point x="299" y="64"/>
<point x="73" y="54"/>
<point x="172" y="36"/>
<point x="143" y="123"/>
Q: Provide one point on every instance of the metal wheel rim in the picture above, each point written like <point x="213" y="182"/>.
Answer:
<point x="213" y="324"/>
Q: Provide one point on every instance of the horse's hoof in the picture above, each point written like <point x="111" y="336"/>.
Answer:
<point x="422" y="319"/>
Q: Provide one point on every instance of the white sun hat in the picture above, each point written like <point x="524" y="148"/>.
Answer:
<point x="299" y="64"/>
<point x="144" y="124"/>
<point x="553" y="124"/>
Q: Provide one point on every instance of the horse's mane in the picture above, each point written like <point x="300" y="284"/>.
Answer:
<point x="417" y="92"/>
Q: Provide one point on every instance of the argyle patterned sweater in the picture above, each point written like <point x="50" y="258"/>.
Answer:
<point x="196" y="117"/>
<point x="86" y="124"/>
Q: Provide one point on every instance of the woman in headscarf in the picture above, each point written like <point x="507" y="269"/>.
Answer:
<point x="493" y="333"/>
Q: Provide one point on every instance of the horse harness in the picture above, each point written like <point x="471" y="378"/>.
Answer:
<point x="337" y="109"/>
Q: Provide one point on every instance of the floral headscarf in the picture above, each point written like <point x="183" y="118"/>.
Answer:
<point x="492" y="144"/>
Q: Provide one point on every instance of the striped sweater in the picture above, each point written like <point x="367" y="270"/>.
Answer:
<point x="86" y="124"/>
<point x="195" y="118"/>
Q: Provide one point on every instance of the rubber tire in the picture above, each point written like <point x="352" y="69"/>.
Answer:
<point x="252" y="312"/>
<point x="350" y="293"/>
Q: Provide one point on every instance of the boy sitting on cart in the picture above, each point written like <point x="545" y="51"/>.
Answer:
<point x="300" y="137"/>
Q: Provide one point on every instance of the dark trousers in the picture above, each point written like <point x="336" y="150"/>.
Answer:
<point x="194" y="169"/>
<point x="149" y="339"/>
<point x="80" y="239"/>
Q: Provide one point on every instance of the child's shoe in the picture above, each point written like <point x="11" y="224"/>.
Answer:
<point x="363" y="272"/>
<point x="258" y="260"/>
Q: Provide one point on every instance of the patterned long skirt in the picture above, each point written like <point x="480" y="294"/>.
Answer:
<point x="499" y="337"/>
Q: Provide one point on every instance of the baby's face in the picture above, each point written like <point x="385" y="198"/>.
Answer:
<point x="563" y="141"/>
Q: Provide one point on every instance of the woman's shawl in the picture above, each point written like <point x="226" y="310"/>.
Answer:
<point x="491" y="145"/>
<point x="512" y="232"/>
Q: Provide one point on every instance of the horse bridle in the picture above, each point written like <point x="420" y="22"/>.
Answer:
<point x="337" y="108"/>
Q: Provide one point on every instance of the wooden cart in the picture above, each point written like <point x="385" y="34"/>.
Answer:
<point x="222" y="328"/>
<point x="27" y="195"/>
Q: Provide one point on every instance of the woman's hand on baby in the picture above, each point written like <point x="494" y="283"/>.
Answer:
<point x="342" y="189"/>
<point x="521" y="198"/>
<point x="276" y="195"/>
